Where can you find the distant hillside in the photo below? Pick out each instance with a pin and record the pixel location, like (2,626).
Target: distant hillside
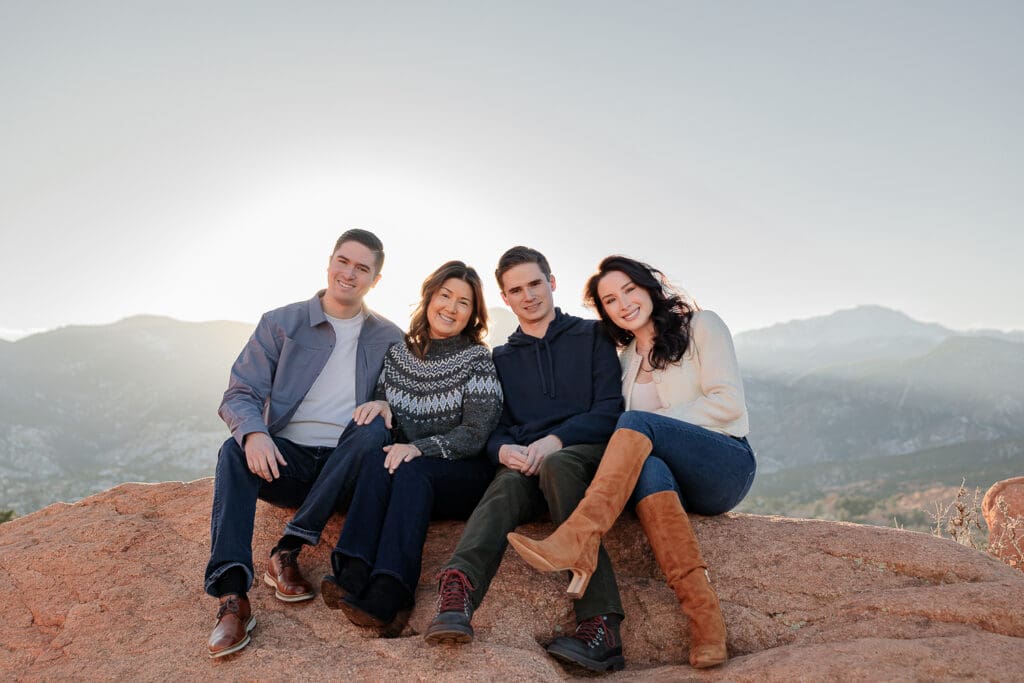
(877,490)
(83,408)
(502,324)
(865,333)
(966,389)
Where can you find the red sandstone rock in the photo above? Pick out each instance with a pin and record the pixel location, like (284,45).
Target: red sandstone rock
(110,588)
(1003,508)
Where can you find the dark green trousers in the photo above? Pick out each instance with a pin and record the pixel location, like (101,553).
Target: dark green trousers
(513,499)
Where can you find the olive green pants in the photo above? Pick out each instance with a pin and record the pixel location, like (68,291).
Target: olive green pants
(513,499)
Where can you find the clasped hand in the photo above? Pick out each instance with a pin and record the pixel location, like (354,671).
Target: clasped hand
(527,459)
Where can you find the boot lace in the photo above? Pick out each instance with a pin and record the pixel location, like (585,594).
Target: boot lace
(454,593)
(231,605)
(288,558)
(594,631)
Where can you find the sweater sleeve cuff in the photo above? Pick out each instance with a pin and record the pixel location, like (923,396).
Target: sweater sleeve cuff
(566,436)
(433,447)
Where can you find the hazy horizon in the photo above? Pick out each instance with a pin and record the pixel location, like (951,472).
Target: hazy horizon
(14,335)
(779,161)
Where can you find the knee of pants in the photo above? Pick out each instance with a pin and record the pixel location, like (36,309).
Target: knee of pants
(557,467)
(231,457)
(411,475)
(365,445)
(509,486)
(655,477)
(636,420)
(372,434)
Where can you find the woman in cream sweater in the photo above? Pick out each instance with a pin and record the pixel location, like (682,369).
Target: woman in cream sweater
(680,446)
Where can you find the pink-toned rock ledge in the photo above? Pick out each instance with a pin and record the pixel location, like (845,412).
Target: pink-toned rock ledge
(110,588)
(1003,508)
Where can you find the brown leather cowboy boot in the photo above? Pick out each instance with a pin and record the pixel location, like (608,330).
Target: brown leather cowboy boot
(575,543)
(675,547)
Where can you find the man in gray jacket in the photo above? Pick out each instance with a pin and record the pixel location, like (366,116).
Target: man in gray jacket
(289,406)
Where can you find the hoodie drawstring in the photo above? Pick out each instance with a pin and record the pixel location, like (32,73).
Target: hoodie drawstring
(548,388)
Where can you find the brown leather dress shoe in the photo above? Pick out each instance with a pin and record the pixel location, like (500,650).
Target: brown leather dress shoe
(234,622)
(284,575)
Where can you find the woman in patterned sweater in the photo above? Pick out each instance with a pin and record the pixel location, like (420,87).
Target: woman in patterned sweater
(440,396)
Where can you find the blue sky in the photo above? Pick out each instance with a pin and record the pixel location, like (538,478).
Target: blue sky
(778,160)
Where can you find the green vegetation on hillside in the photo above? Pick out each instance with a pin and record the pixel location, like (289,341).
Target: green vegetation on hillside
(901,490)
(6,515)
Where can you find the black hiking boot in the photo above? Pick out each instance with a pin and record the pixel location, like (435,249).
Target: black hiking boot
(595,645)
(454,610)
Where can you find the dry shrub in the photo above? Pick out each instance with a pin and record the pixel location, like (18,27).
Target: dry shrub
(1008,547)
(961,518)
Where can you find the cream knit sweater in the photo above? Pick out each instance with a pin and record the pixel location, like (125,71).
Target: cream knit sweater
(704,388)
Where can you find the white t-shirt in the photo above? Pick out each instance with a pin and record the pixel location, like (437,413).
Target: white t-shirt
(327,408)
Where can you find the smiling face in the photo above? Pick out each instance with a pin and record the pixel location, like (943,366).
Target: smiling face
(351,273)
(626,304)
(450,309)
(529,293)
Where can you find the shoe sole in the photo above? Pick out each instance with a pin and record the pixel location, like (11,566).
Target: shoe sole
(283,597)
(396,626)
(332,593)
(616,663)
(448,635)
(249,626)
(361,618)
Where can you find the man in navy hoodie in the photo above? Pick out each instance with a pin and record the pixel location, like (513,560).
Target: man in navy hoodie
(560,377)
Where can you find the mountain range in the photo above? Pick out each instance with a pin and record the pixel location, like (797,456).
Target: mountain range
(864,333)
(85,407)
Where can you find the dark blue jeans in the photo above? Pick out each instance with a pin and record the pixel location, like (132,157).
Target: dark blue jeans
(387,521)
(710,471)
(320,479)
(337,481)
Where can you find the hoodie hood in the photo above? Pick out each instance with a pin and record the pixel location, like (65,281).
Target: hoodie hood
(565,383)
(542,347)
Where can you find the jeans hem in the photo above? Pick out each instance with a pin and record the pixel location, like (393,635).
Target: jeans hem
(211,580)
(394,575)
(310,537)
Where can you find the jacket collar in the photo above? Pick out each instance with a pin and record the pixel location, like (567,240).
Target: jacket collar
(316,309)
(317,315)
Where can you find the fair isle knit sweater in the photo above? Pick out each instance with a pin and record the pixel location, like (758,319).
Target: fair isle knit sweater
(445,404)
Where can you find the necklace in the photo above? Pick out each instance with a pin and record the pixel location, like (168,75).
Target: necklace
(645,356)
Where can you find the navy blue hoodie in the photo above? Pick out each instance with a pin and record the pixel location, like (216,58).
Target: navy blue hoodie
(566,383)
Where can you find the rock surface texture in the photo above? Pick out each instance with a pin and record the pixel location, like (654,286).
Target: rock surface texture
(1003,508)
(110,588)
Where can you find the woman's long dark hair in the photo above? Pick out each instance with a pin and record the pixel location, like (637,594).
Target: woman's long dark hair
(671,314)
(418,336)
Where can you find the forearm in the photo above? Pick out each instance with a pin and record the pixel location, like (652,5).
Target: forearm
(249,385)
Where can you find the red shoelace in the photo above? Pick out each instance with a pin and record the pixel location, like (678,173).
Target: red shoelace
(593,630)
(454,594)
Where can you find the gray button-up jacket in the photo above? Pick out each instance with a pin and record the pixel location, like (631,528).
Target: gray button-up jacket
(283,358)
